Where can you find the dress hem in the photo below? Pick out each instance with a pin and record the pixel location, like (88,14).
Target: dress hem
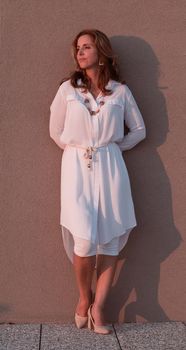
(68,241)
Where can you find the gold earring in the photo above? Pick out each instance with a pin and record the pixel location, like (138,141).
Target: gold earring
(101,63)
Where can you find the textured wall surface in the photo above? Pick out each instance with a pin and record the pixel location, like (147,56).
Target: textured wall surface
(37,280)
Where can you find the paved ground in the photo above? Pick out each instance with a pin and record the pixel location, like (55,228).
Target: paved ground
(129,336)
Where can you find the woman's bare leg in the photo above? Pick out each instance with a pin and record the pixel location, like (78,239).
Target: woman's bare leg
(106,266)
(84,269)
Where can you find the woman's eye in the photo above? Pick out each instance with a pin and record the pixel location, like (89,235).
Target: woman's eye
(85,47)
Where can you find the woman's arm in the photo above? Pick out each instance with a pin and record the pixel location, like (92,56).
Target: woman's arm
(57,117)
(134,121)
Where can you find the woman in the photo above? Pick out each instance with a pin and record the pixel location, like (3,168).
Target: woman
(97,212)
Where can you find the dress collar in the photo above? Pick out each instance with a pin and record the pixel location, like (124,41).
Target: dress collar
(108,86)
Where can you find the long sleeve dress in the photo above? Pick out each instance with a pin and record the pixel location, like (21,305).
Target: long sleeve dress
(96,198)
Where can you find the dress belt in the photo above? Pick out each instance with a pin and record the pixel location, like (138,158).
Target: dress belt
(89,151)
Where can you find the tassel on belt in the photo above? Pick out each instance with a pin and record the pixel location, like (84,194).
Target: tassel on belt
(89,151)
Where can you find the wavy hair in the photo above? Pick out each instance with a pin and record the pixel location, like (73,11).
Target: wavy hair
(109,69)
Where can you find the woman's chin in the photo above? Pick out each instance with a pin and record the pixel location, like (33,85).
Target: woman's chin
(83,66)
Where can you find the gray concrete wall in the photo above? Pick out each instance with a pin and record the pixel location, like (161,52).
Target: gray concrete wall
(37,280)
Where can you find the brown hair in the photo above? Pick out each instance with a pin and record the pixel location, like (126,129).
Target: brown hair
(109,69)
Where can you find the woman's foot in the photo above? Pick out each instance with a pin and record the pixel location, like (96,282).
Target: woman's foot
(98,325)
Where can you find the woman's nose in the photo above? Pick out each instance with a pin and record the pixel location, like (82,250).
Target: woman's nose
(80,52)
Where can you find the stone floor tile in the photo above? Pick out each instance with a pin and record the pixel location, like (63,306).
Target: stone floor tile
(19,337)
(152,336)
(68,337)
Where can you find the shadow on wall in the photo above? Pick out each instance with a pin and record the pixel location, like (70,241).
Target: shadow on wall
(155,237)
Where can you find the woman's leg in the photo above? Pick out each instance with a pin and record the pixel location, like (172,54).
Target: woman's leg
(84,268)
(106,266)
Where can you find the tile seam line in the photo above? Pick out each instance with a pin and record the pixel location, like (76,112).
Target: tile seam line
(117,337)
(40,335)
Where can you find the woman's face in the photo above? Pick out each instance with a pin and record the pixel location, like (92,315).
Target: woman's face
(87,53)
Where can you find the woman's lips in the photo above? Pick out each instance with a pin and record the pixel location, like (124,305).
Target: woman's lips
(81,59)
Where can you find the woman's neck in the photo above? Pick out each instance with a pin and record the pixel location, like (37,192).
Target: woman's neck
(93,75)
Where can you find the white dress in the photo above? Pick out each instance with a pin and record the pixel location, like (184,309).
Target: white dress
(96,202)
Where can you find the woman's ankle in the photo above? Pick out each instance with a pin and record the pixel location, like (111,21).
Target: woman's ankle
(99,306)
(86,298)
(83,305)
(98,314)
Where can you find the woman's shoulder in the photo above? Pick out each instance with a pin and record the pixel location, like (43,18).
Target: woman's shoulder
(127,90)
(65,84)
(66,87)
(121,87)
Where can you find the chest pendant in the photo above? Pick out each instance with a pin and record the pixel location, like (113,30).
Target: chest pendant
(90,150)
(87,104)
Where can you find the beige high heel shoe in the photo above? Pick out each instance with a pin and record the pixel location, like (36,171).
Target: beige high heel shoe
(81,321)
(97,329)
